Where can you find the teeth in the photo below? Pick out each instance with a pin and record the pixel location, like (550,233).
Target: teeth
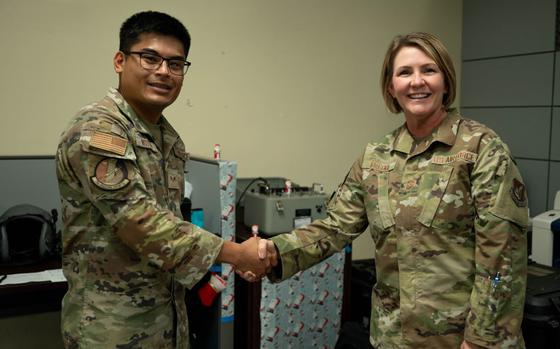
(419,95)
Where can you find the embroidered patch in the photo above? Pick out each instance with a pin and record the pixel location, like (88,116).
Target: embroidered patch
(143,142)
(410,184)
(108,142)
(110,174)
(447,159)
(518,193)
(382,166)
(173,180)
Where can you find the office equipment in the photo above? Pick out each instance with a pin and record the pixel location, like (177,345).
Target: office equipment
(305,310)
(280,206)
(546,236)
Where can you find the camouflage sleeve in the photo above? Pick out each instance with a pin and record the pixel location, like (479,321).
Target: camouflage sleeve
(112,182)
(498,294)
(346,219)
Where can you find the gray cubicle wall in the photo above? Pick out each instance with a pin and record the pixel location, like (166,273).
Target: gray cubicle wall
(511,82)
(29,180)
(204,175)
(32,180)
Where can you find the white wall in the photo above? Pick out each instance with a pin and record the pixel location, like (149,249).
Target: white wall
(288,88)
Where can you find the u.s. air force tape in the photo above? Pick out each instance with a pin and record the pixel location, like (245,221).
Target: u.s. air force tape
(110,174)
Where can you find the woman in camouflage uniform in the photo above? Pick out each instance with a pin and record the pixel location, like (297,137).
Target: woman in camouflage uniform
(447,210)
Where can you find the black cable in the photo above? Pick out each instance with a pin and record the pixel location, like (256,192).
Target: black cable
(248,186)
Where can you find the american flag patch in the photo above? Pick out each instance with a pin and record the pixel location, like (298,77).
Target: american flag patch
(111,143)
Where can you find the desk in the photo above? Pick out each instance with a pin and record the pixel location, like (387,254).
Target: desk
(30,298)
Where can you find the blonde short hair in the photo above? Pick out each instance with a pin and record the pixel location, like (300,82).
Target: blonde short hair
(433,48)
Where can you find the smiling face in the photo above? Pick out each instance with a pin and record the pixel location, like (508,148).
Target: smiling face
(418,85)
(149,91)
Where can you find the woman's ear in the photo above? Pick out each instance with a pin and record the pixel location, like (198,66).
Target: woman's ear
(391,90)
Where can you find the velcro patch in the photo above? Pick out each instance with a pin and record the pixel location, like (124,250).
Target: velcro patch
(111,174)
(382,166)
(447,159)
(108,142)
(173,180)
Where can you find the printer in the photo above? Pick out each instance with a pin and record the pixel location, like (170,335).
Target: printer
(546,236)
(278,206)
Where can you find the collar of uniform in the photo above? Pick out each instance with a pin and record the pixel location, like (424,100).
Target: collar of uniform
(403,140)
(170,135)
(127,111)
(445,133)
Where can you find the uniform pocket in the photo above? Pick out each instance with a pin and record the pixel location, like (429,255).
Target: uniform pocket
(379,212)
(487,305)
(432,188)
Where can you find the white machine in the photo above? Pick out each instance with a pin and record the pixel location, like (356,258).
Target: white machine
(546,236)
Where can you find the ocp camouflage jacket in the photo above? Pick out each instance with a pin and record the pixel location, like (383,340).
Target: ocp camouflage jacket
(448,216)
(126,269)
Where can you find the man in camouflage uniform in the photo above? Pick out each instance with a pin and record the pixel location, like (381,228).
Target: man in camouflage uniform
(448,216)
(127,253)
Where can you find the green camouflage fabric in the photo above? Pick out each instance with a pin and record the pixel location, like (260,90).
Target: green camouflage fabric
(448,216)
(126,273)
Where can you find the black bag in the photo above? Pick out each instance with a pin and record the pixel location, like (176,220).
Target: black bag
(541,319)
(353,336)
(361,284)
(354,333)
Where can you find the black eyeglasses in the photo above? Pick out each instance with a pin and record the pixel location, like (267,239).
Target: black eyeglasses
(152,61)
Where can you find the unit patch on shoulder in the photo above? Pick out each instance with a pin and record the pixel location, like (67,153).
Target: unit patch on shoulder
(108,142)
(111,174)
(518,193)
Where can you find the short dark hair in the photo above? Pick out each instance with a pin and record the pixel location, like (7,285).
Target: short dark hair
(433,48)
(152,22)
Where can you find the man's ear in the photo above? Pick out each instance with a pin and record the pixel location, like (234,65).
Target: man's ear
(118,62)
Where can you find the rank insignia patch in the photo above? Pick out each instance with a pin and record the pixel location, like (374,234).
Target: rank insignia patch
(111,174)
(173,180)
(518,193)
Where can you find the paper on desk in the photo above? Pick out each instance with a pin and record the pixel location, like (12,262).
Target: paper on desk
(52,275)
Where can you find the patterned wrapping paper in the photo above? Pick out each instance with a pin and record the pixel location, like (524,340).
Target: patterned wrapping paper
(228,175)
(304,311)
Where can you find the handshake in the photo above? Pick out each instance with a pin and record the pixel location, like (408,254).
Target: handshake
(255,258)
